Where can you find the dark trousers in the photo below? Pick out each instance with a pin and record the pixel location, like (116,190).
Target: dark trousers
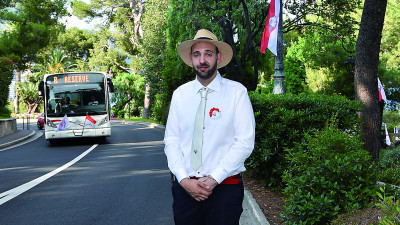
(223,206)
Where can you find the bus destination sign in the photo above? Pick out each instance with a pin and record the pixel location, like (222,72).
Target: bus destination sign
(75,78)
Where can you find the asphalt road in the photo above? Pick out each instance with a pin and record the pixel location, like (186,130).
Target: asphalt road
(122,181)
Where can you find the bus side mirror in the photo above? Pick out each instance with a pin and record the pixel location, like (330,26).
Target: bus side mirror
(41,88)
(110,84)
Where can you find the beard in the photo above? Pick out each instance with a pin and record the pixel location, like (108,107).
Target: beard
(208,74)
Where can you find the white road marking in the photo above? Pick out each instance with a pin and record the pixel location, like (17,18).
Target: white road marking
(10,194)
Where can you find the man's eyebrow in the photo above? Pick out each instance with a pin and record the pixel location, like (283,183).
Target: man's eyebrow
(208,51)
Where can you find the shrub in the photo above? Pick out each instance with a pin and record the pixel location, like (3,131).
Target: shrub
(282,120)
(390,208)
(329,173)
(389,167)
(390,157)
(121,114)
(5,112)
(159,110)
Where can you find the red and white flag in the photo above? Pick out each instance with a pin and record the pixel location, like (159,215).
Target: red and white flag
(270,35)
(89,120)
(382,94)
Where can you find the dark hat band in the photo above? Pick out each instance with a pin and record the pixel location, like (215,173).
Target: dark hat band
(204,38)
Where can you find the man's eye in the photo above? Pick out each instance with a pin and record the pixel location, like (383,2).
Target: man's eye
(195,54)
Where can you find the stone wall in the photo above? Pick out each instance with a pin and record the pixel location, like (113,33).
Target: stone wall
(8,126)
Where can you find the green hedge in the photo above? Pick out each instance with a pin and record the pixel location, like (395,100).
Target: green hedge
(329,173)
(282,120)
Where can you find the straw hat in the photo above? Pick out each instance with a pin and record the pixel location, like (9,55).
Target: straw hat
(203,35)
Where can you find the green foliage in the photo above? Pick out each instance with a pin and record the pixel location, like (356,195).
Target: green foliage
(295,75)
(5,112)
(31,26)
(390,208)
(76,43)
(121,114)
(316,60)
(28,93)
(6,75)
(389,166)
(159,109)
(125,83)
(282,120)
(390,157)
(391,118)
(152,52)
(329,173)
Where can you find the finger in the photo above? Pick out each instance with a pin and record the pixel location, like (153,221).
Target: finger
(203,185)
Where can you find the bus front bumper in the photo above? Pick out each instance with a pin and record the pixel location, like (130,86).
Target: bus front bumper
(104,132)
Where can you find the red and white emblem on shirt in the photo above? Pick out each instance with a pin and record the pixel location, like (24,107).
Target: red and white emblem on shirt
(215,113)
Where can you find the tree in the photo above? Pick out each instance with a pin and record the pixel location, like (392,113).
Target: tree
(366,70)
(126,16)
(28,91)
(132,84)
(389,64)
(31,24)
(6,75)
(77,44)
(240,23)
(58,62)
(152,50)
(315,60)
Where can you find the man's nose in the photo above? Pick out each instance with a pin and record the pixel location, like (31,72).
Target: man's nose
(202,58)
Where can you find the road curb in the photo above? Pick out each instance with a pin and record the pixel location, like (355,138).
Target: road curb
(254,208)
(13,142)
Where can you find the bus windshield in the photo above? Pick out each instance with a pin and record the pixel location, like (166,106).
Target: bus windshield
(75,95)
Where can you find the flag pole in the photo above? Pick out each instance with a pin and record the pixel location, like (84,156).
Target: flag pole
(279,76)
(84,122)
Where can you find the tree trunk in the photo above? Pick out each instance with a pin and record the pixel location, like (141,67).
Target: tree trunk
(366,70)
(250,45)
(147,103)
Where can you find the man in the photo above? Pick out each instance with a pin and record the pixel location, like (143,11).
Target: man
(206,155)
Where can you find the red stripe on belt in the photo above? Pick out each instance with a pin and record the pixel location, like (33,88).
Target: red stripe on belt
(230,180)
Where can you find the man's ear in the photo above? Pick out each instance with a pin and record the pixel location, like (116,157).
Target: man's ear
(219,57)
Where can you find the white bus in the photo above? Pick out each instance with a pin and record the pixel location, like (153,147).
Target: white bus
(76,105)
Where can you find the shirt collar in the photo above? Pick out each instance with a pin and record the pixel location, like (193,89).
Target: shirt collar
(214,85)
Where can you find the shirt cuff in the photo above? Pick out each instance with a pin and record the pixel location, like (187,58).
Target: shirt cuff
(219,175)
(181,174)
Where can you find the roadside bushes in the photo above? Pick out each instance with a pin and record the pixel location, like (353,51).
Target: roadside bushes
(389,169)
(282,121)
(329,173)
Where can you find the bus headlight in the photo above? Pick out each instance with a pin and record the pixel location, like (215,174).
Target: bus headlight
(51,124)
(103,121)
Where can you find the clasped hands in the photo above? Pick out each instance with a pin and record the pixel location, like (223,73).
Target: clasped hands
(200,189)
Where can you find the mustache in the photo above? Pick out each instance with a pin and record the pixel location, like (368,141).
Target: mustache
(203,64)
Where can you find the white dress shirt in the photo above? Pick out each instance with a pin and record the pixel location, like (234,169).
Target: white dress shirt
(229,129)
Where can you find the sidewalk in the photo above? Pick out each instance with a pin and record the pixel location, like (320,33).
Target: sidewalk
(252,214)
(15,138)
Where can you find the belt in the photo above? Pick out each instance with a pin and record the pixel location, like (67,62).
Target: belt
(229,180)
